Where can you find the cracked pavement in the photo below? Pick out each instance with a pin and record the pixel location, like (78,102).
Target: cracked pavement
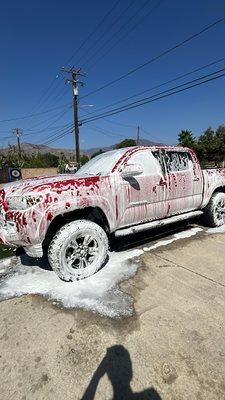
(171,348)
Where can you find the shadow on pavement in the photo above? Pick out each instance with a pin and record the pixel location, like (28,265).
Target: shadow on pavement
(118,367)
(148,236)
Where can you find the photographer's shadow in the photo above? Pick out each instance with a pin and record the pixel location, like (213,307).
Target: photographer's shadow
(118,367)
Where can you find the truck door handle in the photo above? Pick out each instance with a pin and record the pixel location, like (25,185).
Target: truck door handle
(196,178)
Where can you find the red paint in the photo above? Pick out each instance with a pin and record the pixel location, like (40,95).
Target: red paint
(49,216)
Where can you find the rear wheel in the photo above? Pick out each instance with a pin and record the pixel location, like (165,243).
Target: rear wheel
(78,250)
(214,213)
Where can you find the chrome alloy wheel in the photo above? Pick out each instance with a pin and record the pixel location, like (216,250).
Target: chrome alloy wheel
(81,252)
(220,211)
(78,250)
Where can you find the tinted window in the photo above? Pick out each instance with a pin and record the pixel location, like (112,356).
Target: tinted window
(178,161)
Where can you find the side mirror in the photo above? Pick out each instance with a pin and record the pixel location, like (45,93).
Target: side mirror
(129,170)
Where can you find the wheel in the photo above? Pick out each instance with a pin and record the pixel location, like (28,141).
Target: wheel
(214,213)
(78,250)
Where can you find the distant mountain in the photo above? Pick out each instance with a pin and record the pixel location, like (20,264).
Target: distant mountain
(30,148)
(143,142)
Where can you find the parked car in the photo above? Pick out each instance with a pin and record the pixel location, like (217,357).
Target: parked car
(119,192)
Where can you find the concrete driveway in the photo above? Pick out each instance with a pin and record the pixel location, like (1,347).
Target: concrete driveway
(171,347)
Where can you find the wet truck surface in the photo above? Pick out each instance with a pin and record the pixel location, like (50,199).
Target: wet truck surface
(118,192)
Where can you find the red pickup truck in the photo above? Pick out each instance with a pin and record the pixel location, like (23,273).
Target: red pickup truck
(119,192)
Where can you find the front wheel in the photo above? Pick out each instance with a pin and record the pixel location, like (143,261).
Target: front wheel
(78,250)
(214,213)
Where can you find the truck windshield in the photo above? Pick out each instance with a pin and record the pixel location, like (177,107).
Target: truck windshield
(101,164)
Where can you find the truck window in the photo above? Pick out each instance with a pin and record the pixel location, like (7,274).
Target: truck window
(148,162)
(178,161)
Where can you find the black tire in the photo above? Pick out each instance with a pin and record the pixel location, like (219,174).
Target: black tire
(78,250)
(214,213)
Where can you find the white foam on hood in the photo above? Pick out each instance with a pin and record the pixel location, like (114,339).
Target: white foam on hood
(98,293)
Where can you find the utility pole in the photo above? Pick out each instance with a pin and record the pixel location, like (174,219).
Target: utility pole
(75,72)
(18,133)
(138,135)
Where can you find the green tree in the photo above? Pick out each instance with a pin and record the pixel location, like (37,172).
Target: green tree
(13,158)
(126,143)
(47,160)
(83,159)
(97,153)
(62,163)
(186,139)
(220,143)
(207,145)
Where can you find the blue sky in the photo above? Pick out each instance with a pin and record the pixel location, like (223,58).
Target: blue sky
(37,39)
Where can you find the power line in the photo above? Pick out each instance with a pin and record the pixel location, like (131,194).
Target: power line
(171,49)
(128,32)
(59,135)
(151,135)
(151,99)
(105,32)
(41,100)
(93,31)
(49,119)
(35,115)
(119,123)
(106,133)
(158,86)
(115,34)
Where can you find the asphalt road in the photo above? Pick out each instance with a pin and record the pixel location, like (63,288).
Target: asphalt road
(172,347)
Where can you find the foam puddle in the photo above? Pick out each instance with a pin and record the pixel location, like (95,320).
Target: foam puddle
(220,229)
(99,293)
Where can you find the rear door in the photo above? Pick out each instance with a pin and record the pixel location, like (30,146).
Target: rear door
(144,195)
(185,183)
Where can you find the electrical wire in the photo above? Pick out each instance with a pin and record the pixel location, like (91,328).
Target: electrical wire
(93,31)
(151,60)
(58,136)
(35,115)
(154,98)
(49,119)
(158,86)
(105,32)
(132,28)
(106,133)
(115,34)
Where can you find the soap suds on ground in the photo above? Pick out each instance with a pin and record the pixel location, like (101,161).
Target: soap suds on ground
(220,229)
(99,293)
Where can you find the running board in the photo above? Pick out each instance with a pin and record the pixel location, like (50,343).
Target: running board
(157,224)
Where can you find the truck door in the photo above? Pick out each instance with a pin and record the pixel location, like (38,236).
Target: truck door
(144,195)
(185,181)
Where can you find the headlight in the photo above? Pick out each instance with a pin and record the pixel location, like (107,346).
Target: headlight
(23,202)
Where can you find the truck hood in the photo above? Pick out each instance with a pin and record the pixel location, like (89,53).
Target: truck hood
(53,183)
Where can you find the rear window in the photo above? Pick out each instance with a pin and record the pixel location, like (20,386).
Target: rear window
(178,161)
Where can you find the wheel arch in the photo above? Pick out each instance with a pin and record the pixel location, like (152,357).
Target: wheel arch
(219,189)
(94,214)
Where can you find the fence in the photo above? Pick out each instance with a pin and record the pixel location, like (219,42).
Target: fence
(28,173)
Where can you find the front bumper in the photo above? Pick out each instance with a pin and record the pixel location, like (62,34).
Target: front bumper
(10,236)
(8,233)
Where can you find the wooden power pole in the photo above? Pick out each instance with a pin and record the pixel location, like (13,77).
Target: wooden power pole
(75,72)
(138,135)
(18,133)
